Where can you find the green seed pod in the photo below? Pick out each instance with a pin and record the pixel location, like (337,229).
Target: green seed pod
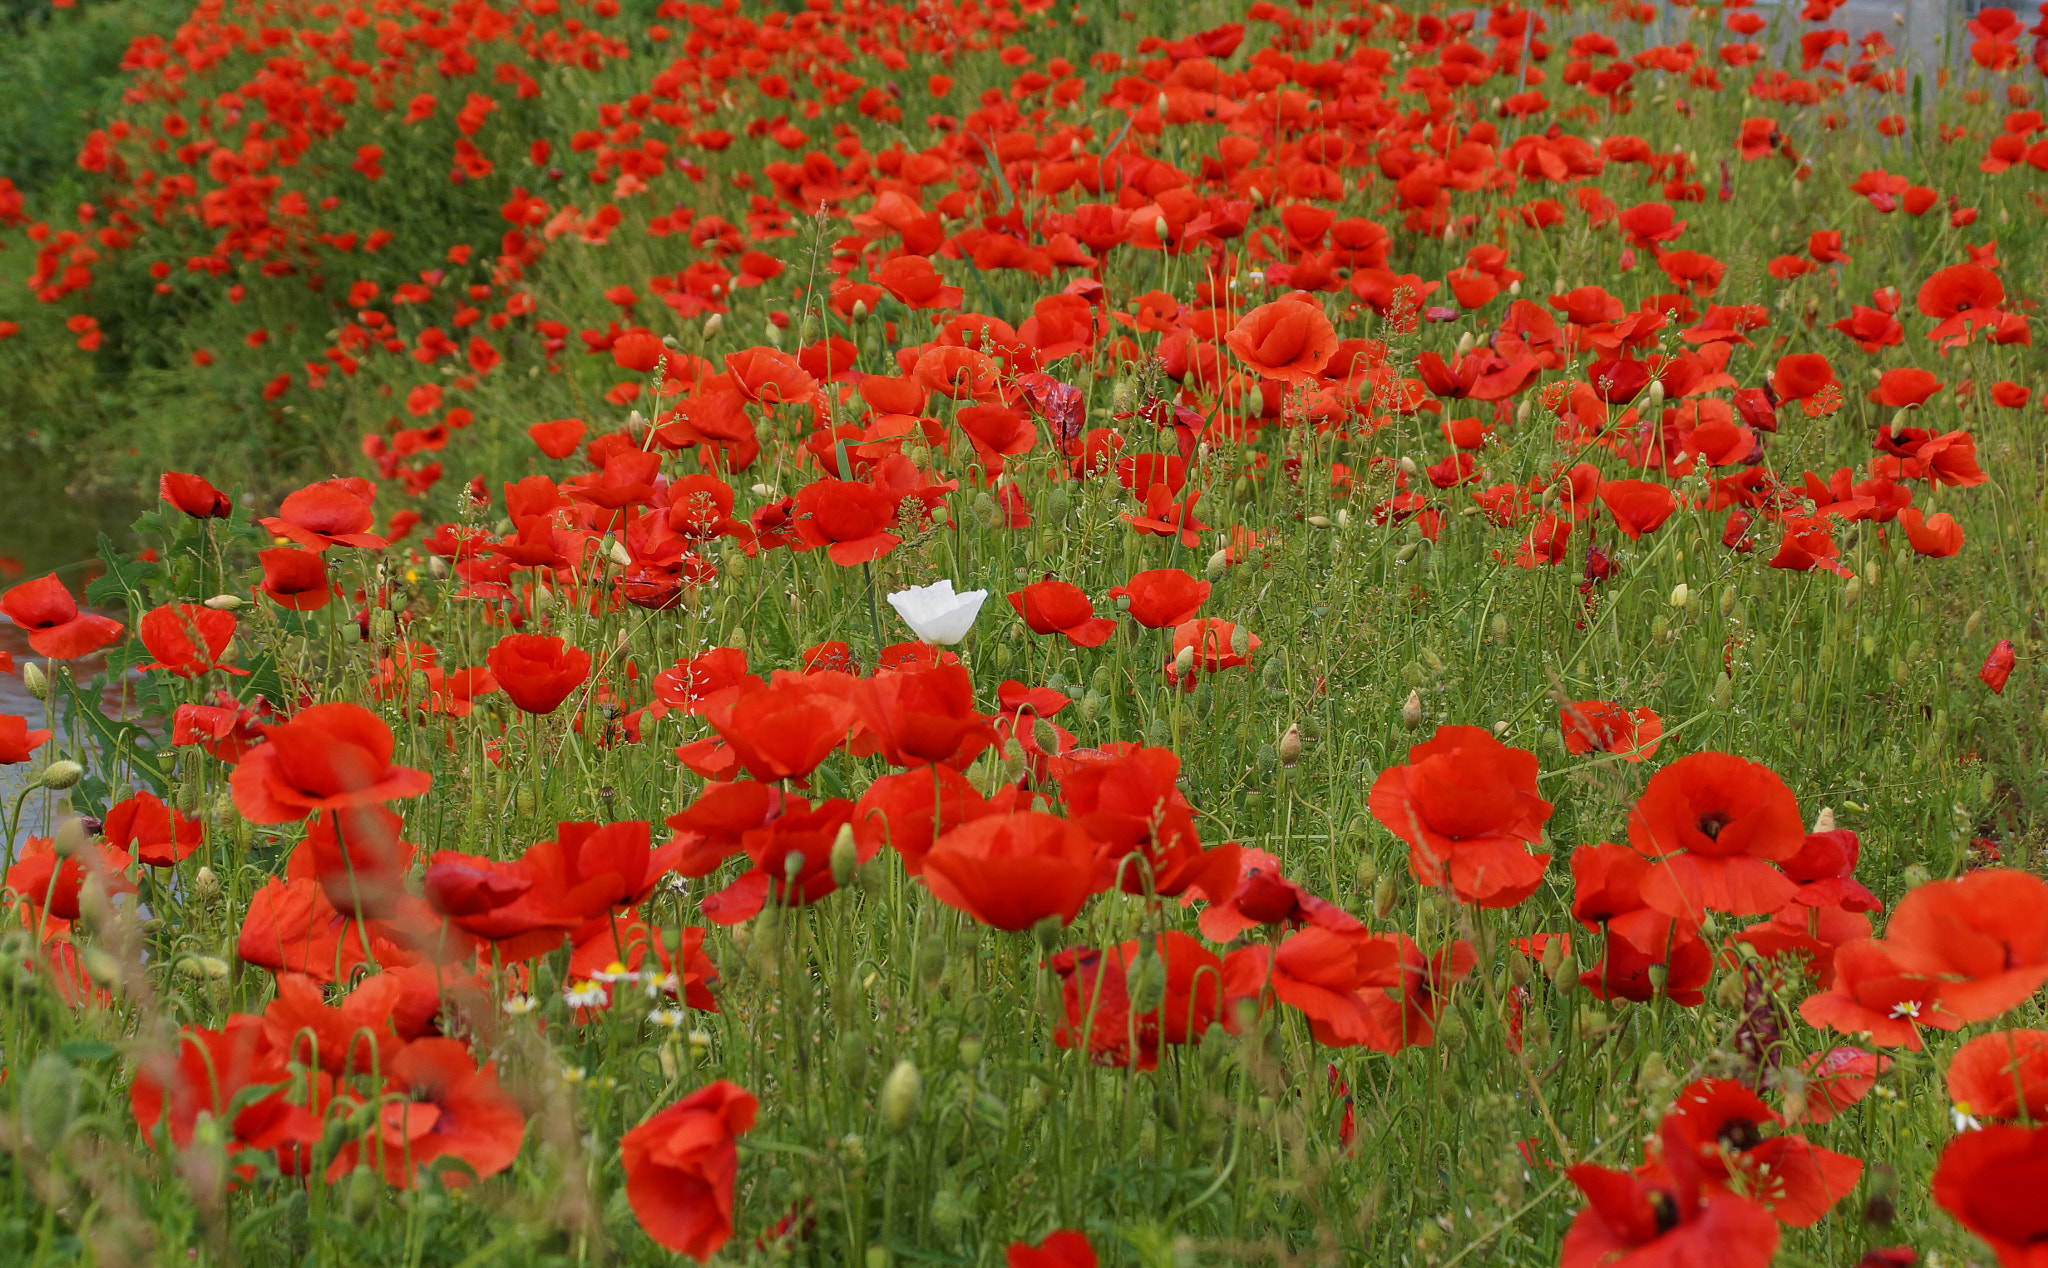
(902,1093)
(49,1101)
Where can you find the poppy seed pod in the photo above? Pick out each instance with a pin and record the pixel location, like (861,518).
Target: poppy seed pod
(902,1091)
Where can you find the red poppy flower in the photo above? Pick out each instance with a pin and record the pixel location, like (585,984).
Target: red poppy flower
(1326,975)
(785,730)
(907,811)
(792,857)
(330,513)
(1264,897)
(1936,536)
(360,1033)
(1991,1181)
(328,757)
(1716,823)
(1061,1248)
(1723,1124)
(1960,290)
(443,1106)
(1835,1080)
(1801,375)
(1289,340)
(2001,1075)
(1095,990)
(1873,995)
(1162,598)
(221,1073)
(187,638)
(17,742)
(1127,798)
(53,885)
(1638,506)
(155,833)
(1664,1217)
(680,1166)
(294,579)
(1984,933)
(1061,607)
(1466,803)
(559,438)
(1998,666)
(852,520)
(538,671)
(56,628)
(922,715)
(1606,727)
(193,495)
(915,283)
(1011,871)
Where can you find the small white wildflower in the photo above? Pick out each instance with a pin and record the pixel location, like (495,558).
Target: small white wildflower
(614,972)
(1960,1115)
(520,1005)
(672,1018)
(586,995)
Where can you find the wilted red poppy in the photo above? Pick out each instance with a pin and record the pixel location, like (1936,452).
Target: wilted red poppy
(294,579)
(1716,823)
(1723,1124)
(1289,340)
(1985,934)
(187,638)
(1061,607)
(680,1166)
(444,1106)
(1010,871)
(1162,598)
(157,834)
(330,513)
(17,742)
(56,628)
(1664,1217)
(1606,727)
(1466,803)
(1991,1181)
(1638,506)
(328,757)
(193,495)
(2001,1075)
(538,671)
(1998,666)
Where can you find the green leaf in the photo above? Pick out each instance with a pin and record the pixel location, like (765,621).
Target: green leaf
(88,1050)
(126,580)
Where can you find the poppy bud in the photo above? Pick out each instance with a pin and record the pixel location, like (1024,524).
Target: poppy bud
(1465,343)
(1658,974)
(901,1092)
(60,774)
(1183,662)
(1852,592)
(1553,956)
(1408,465)
(1724,691)
(1872,574)
(1824,821)
(225,602)
(1499,627)
(1240,642)
(712,323)
(860,311)
(672,343)
(1048,933)
(49,1101)
(1368,871)
(618,553)
(1681,595)
(1411,710)
(1451,1032)
(437,567)
(1727,603)
(1653,1079)
(100,965)
(1655,396)
(1515,288)
(844,855)
(206,887)
(1159,227)
(1566,979)
(793,867)
(38,685)
(1383,897)
(524,801)
(1290,746)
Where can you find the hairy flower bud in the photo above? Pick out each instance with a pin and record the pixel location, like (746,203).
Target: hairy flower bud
(845,854)
(1411,710)
(60,774)
(902,1091)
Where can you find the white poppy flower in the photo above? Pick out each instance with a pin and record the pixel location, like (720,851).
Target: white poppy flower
(935,614)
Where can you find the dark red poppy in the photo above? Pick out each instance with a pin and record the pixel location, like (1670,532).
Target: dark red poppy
(537,671)
(1716,823)
(294,579)
(328,757)
(1061,607)
(56,628)
(193,495)
(680,1167)
(1265,897)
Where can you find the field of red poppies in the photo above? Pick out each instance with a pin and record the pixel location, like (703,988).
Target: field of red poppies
(891,634)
